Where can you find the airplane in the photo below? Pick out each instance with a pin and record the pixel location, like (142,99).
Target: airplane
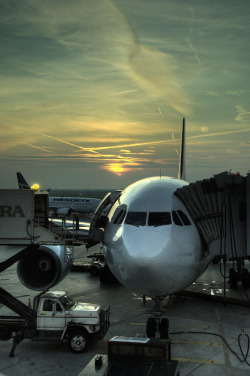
(151,244)
(64,205)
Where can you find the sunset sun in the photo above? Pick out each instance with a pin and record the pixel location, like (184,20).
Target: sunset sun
(116,168)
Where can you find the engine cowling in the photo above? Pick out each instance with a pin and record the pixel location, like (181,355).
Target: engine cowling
(63,211)
(44,268)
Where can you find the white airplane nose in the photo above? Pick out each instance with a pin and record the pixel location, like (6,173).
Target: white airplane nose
(145,245)
(140,260)
(154,262)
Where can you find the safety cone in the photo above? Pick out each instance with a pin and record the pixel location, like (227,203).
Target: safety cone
(29,303)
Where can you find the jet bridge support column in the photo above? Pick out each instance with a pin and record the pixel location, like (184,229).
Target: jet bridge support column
(248,213)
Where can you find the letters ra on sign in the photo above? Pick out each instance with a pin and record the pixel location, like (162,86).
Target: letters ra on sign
(8,211)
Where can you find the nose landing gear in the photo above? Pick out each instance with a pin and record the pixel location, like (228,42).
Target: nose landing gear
(157,324)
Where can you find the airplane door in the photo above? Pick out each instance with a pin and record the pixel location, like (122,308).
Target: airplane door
(96,217)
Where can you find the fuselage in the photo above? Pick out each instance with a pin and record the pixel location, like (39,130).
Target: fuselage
(75,204)
(151,244)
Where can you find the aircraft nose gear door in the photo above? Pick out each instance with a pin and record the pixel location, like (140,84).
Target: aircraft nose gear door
(98,222)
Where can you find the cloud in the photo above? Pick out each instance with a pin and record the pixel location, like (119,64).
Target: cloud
(243,115)
(235,92)
(211,93)
(153,70)
(204,129)
(188,38)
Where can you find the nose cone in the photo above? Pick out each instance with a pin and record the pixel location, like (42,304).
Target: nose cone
(154,262)
(138,260)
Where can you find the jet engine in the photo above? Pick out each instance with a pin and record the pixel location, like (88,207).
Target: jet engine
(63,211)
(44,267)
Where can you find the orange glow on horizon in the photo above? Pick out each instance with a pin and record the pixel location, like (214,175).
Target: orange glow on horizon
(119,168)
(116,168)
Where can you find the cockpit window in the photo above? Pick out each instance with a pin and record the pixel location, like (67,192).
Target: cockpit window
(159,219)
(120,217)
(136,218)
(176,219)
(180,218)
(184,218)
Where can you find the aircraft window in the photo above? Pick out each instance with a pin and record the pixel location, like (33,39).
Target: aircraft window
(136,218)
(159,219)
(120,217)
(176,219)
(184,218)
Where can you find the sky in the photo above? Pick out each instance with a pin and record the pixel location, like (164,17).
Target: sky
(93,92)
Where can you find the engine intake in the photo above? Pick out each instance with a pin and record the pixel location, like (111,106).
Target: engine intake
(44,268)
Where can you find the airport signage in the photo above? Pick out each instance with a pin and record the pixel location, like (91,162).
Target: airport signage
(11,211)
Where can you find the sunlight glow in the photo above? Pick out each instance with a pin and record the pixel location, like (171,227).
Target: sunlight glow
(116,168)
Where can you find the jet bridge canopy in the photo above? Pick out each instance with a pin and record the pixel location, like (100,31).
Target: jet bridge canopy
(220,208)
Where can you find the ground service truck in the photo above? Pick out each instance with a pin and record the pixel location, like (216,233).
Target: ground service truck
(54,316)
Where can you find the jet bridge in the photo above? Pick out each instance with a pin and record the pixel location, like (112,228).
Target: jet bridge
(24,218)
(220,208)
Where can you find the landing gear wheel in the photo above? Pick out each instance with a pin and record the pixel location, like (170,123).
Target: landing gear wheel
(94,271)
(106,275)
(151,327)
(164,325)
(78,341)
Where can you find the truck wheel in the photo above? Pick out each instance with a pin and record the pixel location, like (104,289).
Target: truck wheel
(78,341)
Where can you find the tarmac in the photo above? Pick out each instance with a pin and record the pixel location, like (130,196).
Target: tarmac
(205,330)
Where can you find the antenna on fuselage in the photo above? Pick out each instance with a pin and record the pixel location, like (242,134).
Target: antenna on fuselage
(182,167)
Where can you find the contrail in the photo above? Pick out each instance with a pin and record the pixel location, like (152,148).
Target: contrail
(93,149)
(65,142)
(40,148)
(123,92)
(219,133)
